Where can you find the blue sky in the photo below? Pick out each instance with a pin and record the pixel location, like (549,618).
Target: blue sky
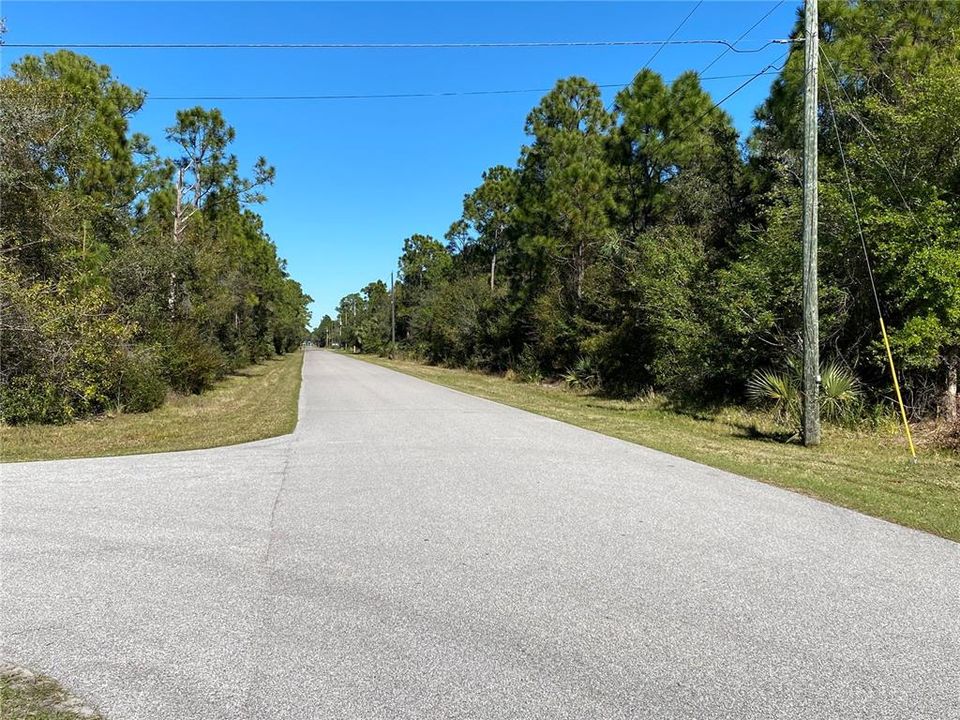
(355,177)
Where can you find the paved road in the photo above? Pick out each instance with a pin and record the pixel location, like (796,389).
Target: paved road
(412,552)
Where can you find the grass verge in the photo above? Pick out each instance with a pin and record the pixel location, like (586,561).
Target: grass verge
(27,696)
(254,403)
(868,472)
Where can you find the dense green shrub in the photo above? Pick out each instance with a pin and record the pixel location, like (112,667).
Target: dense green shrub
(778,390)
(28,398)
(62,350)
(839,393)
(192,363)
(142,385)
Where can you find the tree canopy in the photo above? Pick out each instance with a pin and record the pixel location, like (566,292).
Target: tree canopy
(125,274)
(654,246)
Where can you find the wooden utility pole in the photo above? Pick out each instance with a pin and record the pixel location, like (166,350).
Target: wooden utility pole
(393,314)
(811,320)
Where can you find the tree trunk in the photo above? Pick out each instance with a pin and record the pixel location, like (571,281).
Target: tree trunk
(493,271)
(172,293)
(178,219)
(580,270)
(949,400)
(178,223)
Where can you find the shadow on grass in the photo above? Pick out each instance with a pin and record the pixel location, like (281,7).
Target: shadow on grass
(751,431)
(709,413)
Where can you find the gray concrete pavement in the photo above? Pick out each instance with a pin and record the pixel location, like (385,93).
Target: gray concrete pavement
(413,552)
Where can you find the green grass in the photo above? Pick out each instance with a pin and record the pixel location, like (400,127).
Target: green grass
(866,471)
(26,696)
(254,403)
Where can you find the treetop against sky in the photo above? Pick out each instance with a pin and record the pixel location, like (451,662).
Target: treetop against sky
(356,175)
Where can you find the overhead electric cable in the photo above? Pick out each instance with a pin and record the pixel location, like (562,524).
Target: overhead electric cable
(669,40)
(742,36)
(392,96)
(672,35)
(733,92)
(385,46)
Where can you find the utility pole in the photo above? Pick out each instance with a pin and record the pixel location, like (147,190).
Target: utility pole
(393,314)
(811,320)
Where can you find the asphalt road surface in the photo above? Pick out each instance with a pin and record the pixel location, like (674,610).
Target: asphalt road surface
(413,552)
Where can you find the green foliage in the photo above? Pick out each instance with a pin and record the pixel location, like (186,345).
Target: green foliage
(325,333)
(583,375)
(778,389)
(193,363)
(527,367)
(449,323)
(61,350)
(839,392)
(895,106)
(101,263)
(645,249)
(142,387)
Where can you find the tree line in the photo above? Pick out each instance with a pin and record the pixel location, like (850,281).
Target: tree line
(126,274)
(648,247)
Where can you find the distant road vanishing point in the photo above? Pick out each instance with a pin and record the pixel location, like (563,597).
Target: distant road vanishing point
(413,552)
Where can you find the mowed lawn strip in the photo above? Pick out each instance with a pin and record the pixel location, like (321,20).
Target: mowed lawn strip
(868,472)
(257,402)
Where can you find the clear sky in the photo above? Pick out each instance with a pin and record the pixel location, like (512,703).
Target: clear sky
(356,176)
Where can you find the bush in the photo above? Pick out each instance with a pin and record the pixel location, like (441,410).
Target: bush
(527,367)
(840,397)
(583,374)
(839,394)
(61,353)
(29,399)
(779,389)
(142,387)
(193,364)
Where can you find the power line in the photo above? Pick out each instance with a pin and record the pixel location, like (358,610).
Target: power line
(765,71)
(742,36)
(669,40)
(394,96)
(675,31)
(386,46)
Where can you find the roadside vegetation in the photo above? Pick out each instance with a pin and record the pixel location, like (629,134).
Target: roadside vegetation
(25,695)
(125,275)
(252,403)
(646,248)
(866,468)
